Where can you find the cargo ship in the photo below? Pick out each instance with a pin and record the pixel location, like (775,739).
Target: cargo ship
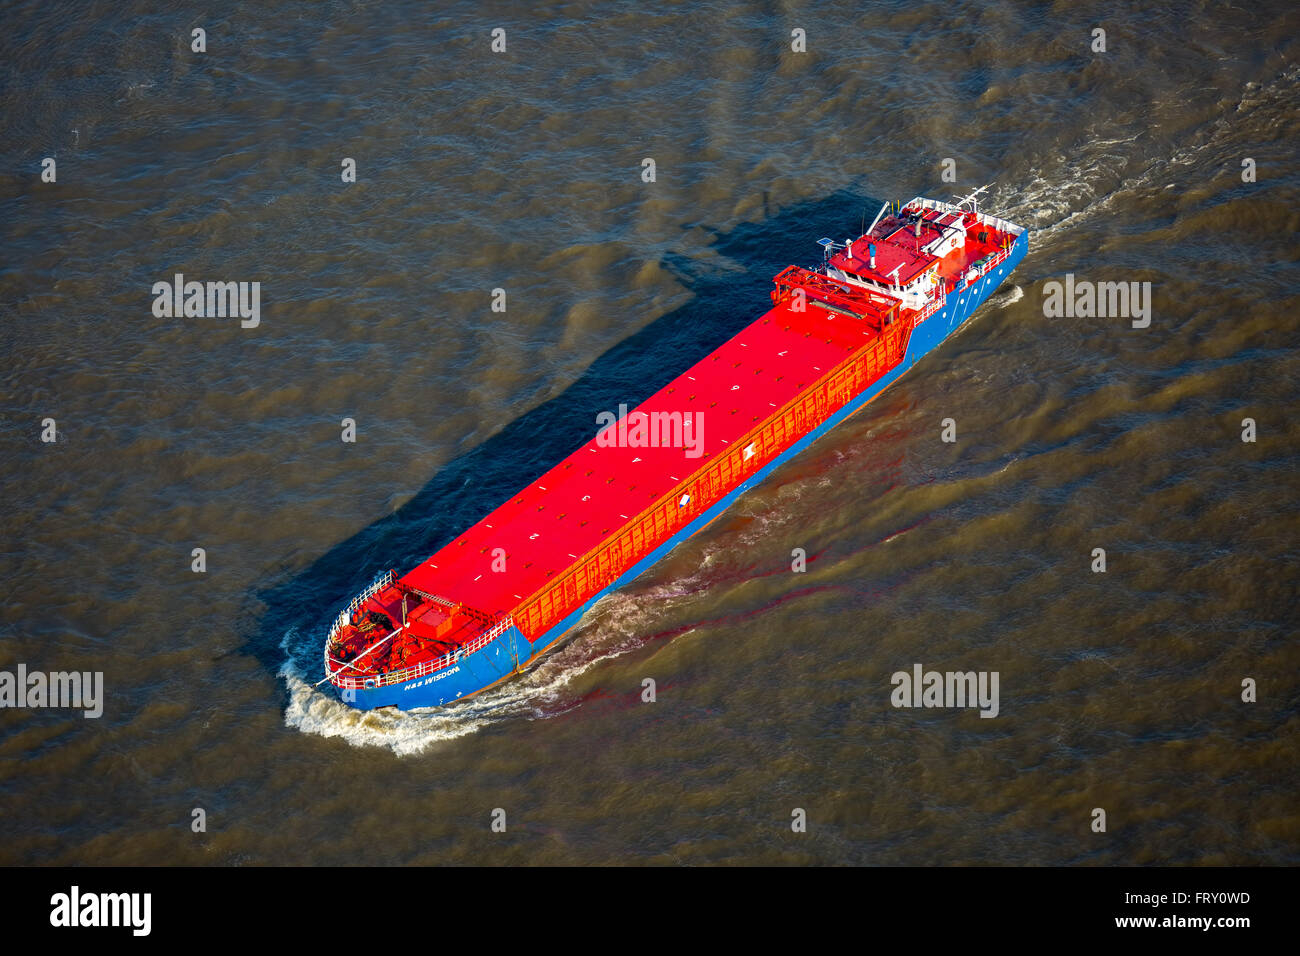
(496,598)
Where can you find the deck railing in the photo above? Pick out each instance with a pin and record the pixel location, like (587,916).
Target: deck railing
(345,616)
(996,259)
(426,667)
(932,307)
(984,218)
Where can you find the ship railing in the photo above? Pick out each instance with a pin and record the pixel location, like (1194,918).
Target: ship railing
(994,222)
(982,268)
(933,306)
(996,259)
(389,678)
(345,616)
(1001,225)
(936,204)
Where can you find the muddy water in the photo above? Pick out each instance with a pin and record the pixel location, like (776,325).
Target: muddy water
(521,170)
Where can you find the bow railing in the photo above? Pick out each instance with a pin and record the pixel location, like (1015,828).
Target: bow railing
(425,667)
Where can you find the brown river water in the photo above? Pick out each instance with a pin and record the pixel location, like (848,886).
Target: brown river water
(522,170)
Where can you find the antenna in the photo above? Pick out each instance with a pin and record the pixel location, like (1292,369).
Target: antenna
(972,198)
(877,219)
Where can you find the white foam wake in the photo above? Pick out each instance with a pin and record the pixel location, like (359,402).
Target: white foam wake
(1010,297)
(1073,189)
(616,625)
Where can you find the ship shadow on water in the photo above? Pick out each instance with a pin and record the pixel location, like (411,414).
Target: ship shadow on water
(472,485)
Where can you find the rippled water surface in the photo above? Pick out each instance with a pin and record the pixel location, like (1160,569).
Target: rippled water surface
(521,170)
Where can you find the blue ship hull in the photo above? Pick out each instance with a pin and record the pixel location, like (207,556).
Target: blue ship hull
(512,652)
